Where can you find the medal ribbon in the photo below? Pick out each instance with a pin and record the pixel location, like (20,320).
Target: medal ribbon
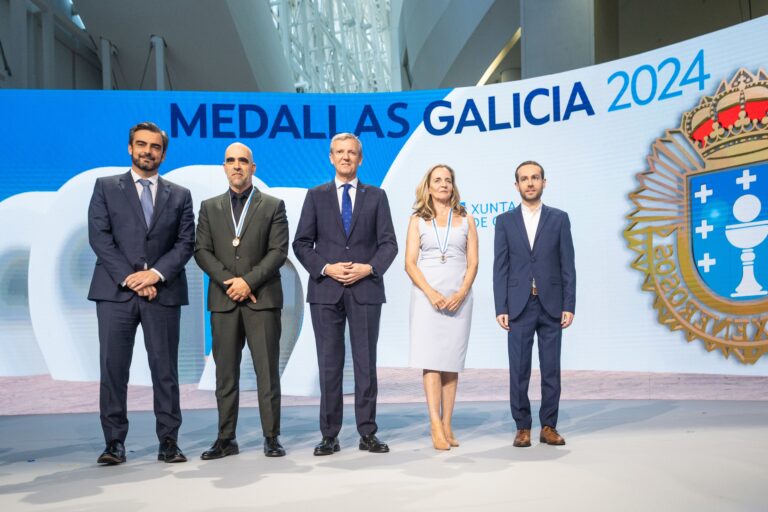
(443,246)
(239,225)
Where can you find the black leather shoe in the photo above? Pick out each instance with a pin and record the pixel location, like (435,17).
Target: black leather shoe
(327,446)
(221,448)
(273,448)
(372,444)
(169,451)
(113,454)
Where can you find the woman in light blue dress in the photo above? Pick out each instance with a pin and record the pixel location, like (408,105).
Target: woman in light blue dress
(441,259)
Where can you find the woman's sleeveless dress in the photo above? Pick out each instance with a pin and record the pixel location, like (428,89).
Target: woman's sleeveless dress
(439,338)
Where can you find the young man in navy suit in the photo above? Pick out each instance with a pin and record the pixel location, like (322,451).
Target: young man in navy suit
(142,229)
(346,241)
(534,288)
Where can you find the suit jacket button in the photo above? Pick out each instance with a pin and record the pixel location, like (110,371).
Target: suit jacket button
(237,257)
(347,247)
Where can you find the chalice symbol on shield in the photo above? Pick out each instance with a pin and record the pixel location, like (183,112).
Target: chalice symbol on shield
(746,235)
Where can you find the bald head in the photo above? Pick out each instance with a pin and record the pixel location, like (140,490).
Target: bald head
(239,166)
(241,146)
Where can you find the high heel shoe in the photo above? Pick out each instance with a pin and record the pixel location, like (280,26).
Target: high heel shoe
(438,437)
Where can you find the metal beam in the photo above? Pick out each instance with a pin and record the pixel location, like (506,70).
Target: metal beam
(47,57)
(158,46)
(105,52)
(17,44)
(336,45)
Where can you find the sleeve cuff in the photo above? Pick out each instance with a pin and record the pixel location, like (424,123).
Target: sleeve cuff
(162,277)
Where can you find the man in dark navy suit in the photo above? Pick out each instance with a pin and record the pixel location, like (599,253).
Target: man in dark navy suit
(346,241)
(534,288)
(142,229)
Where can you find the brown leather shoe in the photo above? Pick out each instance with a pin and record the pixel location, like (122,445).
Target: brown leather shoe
(522,438)
(550,436)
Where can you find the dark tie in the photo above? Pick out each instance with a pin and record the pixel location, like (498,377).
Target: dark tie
(238,202)
(146,201)
(346,208)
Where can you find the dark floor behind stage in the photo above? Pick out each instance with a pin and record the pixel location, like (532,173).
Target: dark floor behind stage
(621,455)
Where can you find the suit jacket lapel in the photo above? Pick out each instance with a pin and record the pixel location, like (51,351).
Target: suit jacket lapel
(225,209)
(333,197)
(255,202)
(517,217)
(129,189)
(161,199)
(359,199)
(542,219)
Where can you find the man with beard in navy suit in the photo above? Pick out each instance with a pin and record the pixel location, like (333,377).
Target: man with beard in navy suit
(142,229)
(534,288)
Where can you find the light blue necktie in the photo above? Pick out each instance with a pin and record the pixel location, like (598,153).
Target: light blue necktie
(146,201)
(346,208)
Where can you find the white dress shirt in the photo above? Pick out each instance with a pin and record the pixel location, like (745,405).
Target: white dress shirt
(153,190)
(140,187)
(340,195)
(531,220)
(340,190)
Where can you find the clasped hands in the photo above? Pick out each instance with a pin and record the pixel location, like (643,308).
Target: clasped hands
(238,290)
(143,283)
(440,302)
(348,273)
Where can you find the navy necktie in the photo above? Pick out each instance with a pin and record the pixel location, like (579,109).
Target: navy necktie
(346,208)
(146,201)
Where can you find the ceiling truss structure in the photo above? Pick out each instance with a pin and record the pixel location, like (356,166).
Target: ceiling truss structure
(336,45)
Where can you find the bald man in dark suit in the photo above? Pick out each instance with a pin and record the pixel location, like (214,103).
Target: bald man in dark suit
(242,241)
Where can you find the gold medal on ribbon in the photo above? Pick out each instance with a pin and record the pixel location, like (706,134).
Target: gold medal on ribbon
(239,224)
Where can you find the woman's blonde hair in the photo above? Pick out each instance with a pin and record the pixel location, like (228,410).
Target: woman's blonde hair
(423,206)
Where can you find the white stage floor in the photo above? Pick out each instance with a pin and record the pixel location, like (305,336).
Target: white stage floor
(621,455)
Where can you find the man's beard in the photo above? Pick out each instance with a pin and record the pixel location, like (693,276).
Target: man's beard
(536,196)
(149,166)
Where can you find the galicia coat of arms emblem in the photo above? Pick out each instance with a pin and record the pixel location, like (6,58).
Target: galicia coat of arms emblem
(700,223)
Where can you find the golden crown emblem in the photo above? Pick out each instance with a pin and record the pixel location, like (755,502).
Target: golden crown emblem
(734,121)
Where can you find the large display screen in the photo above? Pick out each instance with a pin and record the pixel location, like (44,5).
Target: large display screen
(660,160)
